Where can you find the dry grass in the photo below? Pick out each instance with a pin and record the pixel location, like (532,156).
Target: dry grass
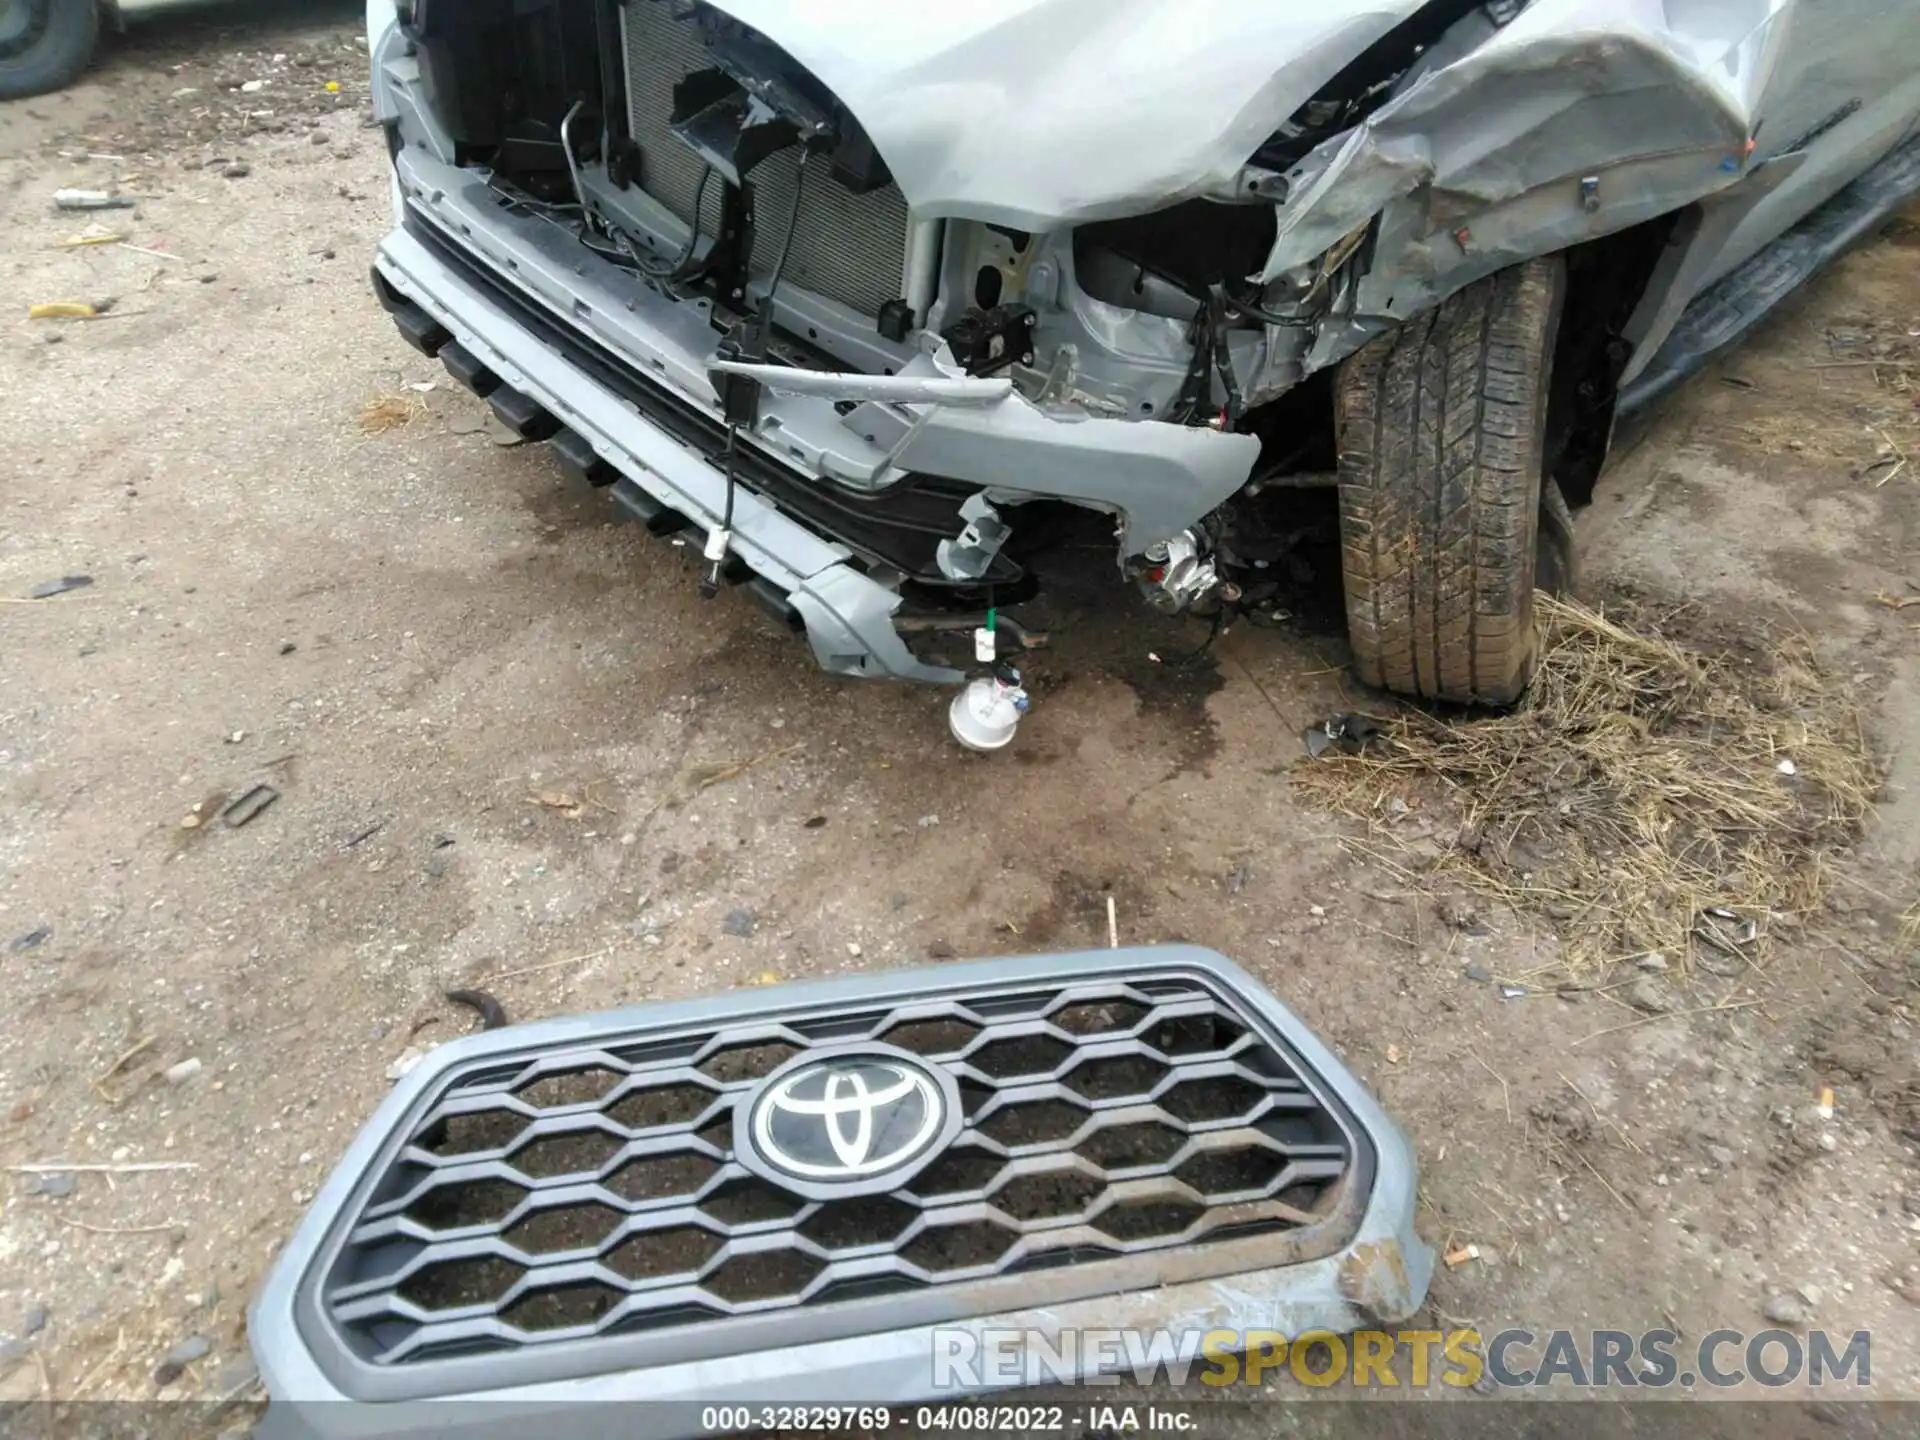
(389,412)
(1636,785)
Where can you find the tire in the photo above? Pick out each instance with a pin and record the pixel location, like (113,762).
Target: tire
(1445,525)
(45,44)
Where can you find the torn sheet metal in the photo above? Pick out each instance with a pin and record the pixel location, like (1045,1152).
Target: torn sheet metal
(1581,118)
(1631,107)
(1157,478)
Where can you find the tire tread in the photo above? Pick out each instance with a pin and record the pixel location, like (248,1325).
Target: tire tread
(1441,426)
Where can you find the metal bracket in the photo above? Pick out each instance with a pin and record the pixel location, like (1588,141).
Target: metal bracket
(968,556)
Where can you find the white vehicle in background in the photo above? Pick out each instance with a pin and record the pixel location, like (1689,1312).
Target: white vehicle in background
(45,44)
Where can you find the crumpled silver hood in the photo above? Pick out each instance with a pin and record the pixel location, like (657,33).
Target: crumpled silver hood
(1038,113)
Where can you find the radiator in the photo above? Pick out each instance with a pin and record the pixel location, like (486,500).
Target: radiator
(846,247)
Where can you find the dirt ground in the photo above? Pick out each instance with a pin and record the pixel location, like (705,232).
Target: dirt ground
(414,634)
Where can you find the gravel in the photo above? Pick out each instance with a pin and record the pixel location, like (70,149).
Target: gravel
(1649,994)
(1788,1307)
(175,1362)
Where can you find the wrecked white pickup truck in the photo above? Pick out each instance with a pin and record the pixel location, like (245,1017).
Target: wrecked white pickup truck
(856,297)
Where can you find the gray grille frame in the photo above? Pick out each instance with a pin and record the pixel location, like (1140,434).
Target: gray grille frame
(847,248)
(556,1045)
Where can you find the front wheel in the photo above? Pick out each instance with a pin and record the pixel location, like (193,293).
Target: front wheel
(1446,527)
(44,44)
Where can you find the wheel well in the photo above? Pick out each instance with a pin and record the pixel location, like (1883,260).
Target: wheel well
(1606,279)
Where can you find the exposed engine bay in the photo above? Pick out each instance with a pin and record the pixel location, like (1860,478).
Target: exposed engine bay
(914,281)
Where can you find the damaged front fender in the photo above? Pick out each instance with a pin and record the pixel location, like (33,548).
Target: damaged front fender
(1577,119)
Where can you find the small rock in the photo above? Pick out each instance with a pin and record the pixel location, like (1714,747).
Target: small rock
(927,822)
(237,737)
(1656,962)
(940,950)
(853,949)
(319,137)
(287,647)
(239,170)
(35,1321)
(1316,911)
(33,939)
(239,1373)
(1720,1155)
(1788,1307)
(1650,995)
(209,277)
(184,1071)
(1476,971)
(252,87)
(175,1362)
(740,922)
(54,1187)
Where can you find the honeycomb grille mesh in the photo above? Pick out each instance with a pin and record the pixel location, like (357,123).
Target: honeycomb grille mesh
(592,1192)
(847,247)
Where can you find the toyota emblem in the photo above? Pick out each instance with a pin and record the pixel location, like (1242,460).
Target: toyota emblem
(850,1122)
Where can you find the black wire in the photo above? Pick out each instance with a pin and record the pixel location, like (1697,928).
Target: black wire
(786,241)
(1185,662)
(693,235)
(1223,361)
